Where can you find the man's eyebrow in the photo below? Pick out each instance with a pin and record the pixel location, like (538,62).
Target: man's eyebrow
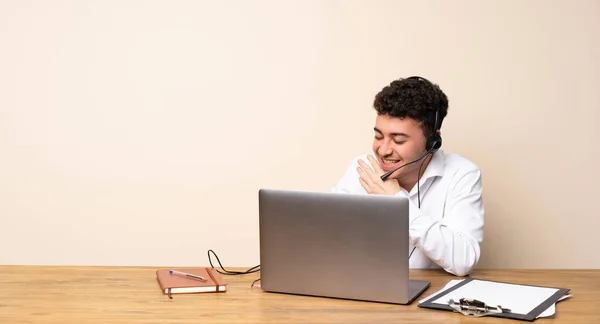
(391,134)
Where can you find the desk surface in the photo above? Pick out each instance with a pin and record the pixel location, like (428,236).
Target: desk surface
(47,294)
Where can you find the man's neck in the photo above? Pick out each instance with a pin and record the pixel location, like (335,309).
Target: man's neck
(410,180)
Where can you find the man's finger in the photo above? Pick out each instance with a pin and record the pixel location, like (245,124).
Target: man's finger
(363,179)
(365,185)
(376,166)
(368,170)
(362,174)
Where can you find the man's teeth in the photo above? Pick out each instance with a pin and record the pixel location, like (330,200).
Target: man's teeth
(390,161)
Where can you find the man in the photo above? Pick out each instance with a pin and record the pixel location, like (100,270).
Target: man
(444,190)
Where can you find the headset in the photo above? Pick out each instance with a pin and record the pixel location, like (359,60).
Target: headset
(434,141)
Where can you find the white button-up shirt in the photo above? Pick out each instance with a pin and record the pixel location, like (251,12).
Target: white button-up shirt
(448,228)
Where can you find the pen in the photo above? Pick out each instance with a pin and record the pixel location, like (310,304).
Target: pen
(189,275)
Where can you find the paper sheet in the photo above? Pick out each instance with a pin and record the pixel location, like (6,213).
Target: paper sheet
(548,312)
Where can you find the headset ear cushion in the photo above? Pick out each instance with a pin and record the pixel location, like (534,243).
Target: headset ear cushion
(434,142)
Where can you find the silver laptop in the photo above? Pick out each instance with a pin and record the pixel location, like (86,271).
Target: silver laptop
(336,245)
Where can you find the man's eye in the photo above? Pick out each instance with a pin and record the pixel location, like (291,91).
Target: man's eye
(378,138)
(399,142)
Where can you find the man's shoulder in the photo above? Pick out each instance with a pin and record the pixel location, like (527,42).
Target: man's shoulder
(456,163)
(462,175)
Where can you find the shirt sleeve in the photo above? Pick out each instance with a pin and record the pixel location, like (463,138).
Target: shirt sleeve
(454,241)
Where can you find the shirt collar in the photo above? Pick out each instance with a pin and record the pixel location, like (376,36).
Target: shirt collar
(436,167)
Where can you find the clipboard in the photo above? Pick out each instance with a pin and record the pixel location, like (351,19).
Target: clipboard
(526,302)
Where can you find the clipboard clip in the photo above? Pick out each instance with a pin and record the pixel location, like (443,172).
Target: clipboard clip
(475,308)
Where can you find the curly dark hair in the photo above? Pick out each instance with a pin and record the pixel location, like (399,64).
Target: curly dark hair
(416,98)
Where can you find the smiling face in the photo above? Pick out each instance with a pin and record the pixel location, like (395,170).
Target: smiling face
(399,141)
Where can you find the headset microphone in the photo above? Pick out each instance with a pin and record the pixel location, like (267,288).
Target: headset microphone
(389,173)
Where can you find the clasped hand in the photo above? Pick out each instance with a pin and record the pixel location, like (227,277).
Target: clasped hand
(370,178)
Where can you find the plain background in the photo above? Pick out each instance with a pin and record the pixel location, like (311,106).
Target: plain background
(139,132)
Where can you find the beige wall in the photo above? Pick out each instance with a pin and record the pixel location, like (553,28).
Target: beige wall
(138,132)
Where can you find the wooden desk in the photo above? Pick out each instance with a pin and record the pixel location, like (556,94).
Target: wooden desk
(45,294)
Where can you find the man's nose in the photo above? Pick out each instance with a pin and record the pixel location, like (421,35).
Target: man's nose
(385,149)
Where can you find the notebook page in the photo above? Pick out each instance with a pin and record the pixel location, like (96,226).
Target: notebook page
(519,299)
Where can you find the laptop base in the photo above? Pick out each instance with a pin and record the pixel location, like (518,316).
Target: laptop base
(417,287)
